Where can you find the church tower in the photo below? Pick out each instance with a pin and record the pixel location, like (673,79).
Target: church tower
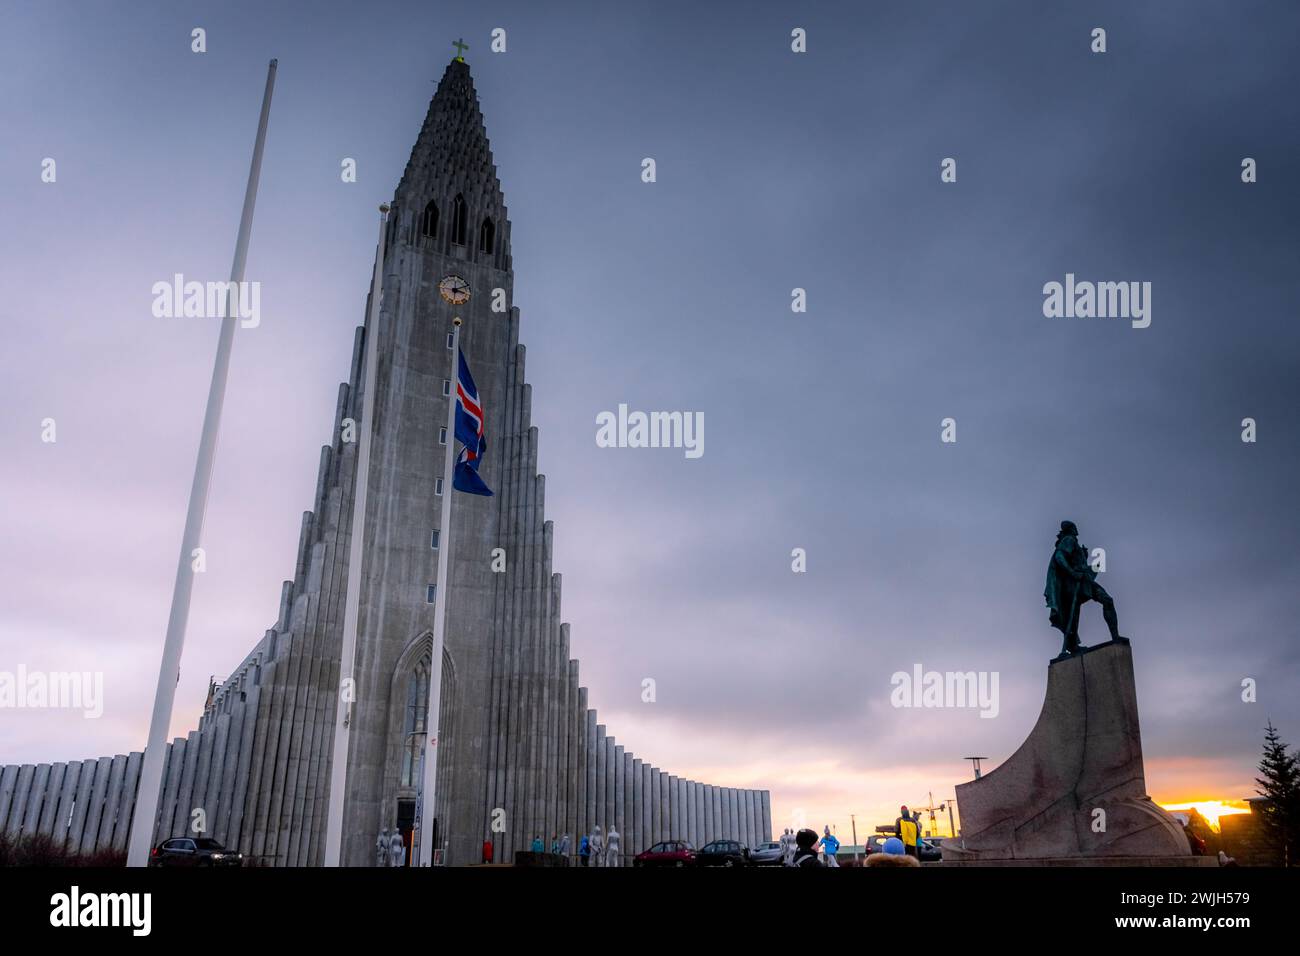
(520,752)
(518,747)
(449,256)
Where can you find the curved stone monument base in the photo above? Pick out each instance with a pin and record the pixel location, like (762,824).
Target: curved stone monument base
(1076,788)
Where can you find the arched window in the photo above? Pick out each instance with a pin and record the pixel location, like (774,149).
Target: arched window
(487,236)
(429,221)
(459,220)
(417,710)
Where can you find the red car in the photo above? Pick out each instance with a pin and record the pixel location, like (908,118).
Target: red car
(668,853)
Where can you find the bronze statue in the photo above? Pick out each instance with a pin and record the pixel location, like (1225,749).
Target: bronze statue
(1071,583)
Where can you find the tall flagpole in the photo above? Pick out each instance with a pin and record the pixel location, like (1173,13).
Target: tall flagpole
(169,671)
(429,791)
(352,600)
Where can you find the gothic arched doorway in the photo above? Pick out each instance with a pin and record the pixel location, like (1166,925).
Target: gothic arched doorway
(407,722)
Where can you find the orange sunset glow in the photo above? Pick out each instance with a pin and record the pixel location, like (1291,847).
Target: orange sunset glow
(1212,810)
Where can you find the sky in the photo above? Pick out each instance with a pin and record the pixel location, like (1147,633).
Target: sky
(775,170)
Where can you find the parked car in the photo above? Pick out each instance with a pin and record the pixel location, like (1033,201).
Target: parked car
(668,853)
(766,854)
(184,851)
(722,853)
(930,851)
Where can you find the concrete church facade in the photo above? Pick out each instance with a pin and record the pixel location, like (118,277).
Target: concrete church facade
(518,744)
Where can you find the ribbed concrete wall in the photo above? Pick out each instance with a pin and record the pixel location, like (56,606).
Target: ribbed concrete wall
(86,806)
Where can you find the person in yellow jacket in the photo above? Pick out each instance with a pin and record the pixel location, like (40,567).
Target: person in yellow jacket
(905,829)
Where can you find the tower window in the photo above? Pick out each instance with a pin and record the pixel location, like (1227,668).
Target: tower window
(429,221)
(487,236)
(446,387)
(417,711)
(433,540)
(442,435)
(437,485)
(459,220)
(431,594)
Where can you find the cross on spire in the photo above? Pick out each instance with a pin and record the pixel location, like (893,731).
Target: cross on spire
(461,46)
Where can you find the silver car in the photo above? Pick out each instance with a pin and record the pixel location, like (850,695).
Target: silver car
(765,854)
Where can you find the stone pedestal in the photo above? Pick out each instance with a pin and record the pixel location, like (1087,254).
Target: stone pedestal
(1083,756)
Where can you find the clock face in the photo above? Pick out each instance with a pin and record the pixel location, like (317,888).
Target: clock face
(454,289)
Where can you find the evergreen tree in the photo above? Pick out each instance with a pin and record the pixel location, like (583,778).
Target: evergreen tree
(1280,785)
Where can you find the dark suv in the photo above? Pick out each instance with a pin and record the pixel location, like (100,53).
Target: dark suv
(184,851)
(723,853)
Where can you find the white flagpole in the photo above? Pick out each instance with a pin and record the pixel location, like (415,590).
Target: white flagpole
(169,671)
(429,790)
(352,598)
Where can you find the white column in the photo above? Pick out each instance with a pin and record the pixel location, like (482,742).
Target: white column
(602,812)
(628,809)
(667,810)
(589,768)
(647,808)
(690,812)
(18,803)
(155,753)
(671,816)
(619,819)
(610,795)
(636,840)
(656,807)
(580,826)
(683,803)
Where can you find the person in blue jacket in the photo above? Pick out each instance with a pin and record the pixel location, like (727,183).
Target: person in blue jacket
(830,846)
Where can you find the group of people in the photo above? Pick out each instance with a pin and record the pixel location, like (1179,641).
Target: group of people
(802,848)
(559,845)
(390,848)
(594,849)
(805,848)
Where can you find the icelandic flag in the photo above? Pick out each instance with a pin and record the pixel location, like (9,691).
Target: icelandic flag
(469,432)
